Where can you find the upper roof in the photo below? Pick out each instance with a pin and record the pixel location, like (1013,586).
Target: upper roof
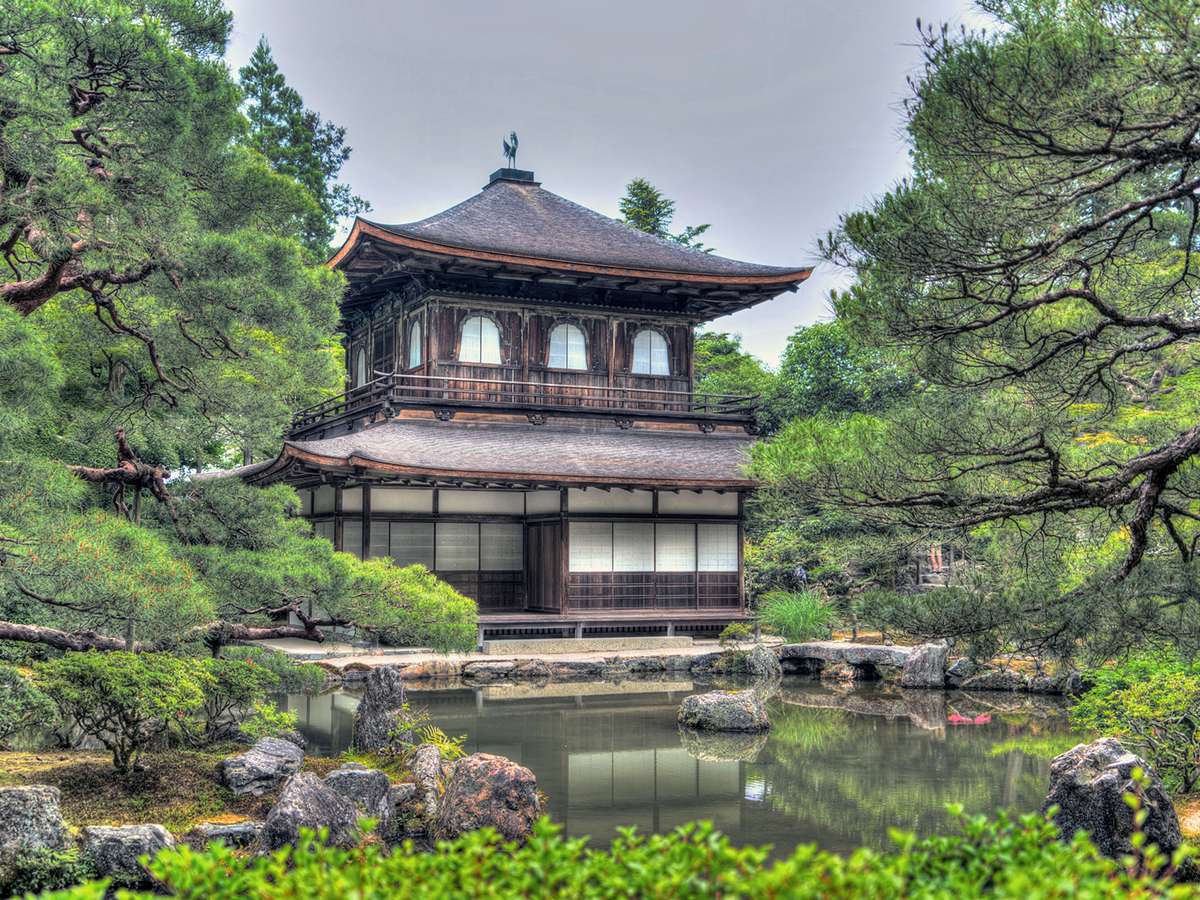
(428,450)
(518,226)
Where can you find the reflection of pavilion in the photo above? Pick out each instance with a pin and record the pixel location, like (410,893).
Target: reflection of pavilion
(607,761)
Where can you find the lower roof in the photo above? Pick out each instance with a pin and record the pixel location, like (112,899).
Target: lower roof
(432,451)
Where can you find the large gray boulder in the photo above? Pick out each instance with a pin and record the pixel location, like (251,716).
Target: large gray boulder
(115,852)
(29,820)
(1088,784)
(307,802)
(763,662)
(724,711)
(997,680)
(925,667)
(380,722)
(963,669)
(262,768)
(488,791)
(366,788)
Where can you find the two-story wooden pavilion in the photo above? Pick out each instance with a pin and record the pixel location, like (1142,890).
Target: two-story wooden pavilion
(521,416)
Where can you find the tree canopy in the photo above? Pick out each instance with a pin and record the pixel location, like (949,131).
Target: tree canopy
(159,288)
(155,259)
(1038,271)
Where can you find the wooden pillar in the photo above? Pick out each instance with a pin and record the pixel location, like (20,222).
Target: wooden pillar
(741,551)
(366,521)
(337,518)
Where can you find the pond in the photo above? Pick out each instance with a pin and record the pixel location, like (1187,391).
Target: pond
(838,768)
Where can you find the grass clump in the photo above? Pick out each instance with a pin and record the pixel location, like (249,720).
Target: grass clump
(797,616)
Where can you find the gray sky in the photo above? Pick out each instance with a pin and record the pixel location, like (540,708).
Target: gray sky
(765,117)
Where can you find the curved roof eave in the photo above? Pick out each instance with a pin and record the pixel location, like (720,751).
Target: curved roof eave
(362,230)
(291,453)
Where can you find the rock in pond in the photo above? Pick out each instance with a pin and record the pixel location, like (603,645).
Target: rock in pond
(114,852)
(724,711)
(1088,784)
(306,802)
(723,746)
(262,768)
(366,788)
(763,662)
(997,680)
(380,721)
(488,791)
(925,667)
(29,820)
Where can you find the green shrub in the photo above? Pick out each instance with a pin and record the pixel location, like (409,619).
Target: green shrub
(1151,701)
(1015,859)
(233,690)
(21,704)
(797,616)
(126,700)
(265,720)
(46,870)
(294,677)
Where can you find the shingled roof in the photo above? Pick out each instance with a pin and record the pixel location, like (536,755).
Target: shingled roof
(431,450)
(517,225)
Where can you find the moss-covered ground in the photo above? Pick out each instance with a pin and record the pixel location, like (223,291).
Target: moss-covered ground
(177,789)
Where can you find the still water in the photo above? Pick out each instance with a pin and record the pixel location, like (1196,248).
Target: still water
(838,769)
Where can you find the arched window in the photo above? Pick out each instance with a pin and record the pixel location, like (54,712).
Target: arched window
(650,354)
(414,344)
(568,349)
(360,367)
(480,341)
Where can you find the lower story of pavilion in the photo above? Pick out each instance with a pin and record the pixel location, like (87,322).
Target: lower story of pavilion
(572,530)
(600,561)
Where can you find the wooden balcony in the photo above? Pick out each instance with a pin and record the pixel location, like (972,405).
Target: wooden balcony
(444,396)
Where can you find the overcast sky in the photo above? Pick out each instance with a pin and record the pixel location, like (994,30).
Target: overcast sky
(766,118)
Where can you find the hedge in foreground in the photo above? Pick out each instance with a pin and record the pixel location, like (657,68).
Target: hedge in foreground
(1016,858)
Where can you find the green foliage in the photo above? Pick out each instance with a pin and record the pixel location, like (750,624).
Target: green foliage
(293,677)
(1043,289)
(298,143)
(1004,858)
(125,700)
(234,692)
(42,869)
(797,616)
(410,606)
(721,366)
(265,720)
(451,748)
(21,704)
(156,261)
(1153,702)
(645,208)
(824,372)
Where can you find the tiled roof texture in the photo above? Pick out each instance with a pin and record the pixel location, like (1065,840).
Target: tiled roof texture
(523,219)
(534,452)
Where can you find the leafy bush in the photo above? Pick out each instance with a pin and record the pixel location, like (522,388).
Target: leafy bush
(126,700)
(46,870)
(233,690)
(267,721)
(1152,701)
(797,616)
(294,677)
(1005,858)
(21,704)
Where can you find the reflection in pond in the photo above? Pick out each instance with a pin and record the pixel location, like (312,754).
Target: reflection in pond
(838,769)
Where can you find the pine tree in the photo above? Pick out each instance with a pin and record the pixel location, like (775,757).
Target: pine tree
(299,143)
(645,208)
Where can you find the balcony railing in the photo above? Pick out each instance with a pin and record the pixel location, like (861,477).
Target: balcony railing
(445,395)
